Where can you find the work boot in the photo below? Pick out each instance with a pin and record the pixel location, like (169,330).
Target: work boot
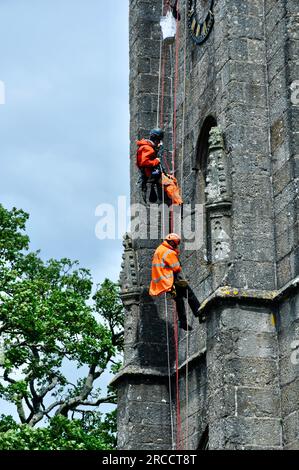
(159,192)
(197,313)
(153,195)
(183,324)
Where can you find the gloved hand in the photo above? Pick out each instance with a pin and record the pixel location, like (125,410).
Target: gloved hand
(173,292)
(156,171)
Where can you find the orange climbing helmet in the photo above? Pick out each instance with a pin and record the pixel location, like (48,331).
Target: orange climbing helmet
(173,237)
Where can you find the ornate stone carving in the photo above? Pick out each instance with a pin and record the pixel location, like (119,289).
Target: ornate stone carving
(128,277)
(218,181)
(218,198)
(220,237)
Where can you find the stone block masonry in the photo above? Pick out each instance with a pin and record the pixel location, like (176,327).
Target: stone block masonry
(238,158)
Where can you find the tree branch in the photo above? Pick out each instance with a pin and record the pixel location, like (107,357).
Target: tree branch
(49,388)
(72,403)
(115,336)
(109,399)
(20,410)
(114,362)
(33,391)
(39,416)
(51,407)
(19,404)
(30,405)
(7,378)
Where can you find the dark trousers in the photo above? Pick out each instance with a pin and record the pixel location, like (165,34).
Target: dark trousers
(156,188)
(186,293)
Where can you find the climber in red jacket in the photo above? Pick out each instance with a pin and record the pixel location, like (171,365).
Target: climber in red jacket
(149,163)
(148,156)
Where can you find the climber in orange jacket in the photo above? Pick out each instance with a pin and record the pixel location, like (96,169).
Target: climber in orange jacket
(167,277)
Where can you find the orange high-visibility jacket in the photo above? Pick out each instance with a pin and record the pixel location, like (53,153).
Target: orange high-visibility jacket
(165,264)
(146,156)
(172,189)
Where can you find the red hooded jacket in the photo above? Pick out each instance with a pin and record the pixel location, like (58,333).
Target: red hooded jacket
(146,156)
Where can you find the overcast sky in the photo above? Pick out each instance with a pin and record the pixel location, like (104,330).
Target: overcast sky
(64,140)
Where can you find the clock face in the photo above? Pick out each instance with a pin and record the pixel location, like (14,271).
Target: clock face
(201,8)
(200,19)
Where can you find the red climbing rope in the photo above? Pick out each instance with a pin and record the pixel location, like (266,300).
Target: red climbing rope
(177,384)
(176,79)
(162,86)
(174,133)
(162,102)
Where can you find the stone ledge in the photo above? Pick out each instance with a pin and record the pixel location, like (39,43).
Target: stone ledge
(131,296)
(225,293)
(249,295)
(229,292)
(131,370)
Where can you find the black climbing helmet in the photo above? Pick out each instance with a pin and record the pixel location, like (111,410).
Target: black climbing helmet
(156,134)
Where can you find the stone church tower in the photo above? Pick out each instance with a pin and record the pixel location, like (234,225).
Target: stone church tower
(237,156)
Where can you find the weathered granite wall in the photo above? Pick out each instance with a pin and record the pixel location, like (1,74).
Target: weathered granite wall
(288,336)
(238,158)
(227,79)
(144,408)
(282,34)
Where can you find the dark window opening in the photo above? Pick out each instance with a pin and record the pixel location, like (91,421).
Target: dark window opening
(201,165)
(202,152)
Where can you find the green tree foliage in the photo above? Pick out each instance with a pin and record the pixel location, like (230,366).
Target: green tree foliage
(92,433)
(48,321)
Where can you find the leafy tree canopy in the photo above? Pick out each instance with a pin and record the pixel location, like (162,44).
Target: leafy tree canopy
(49,324)
(93,432)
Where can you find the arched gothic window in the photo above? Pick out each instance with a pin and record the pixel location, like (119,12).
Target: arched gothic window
(201,162)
